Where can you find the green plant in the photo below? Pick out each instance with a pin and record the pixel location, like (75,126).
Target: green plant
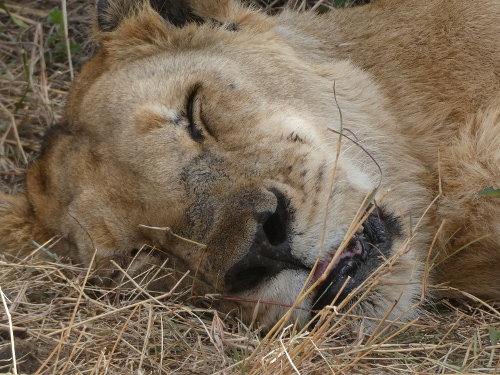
(57,42)
(491,192)
(16,20)
(494,338)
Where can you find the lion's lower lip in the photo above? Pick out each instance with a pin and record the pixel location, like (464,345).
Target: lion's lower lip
(343,276)
(355,249)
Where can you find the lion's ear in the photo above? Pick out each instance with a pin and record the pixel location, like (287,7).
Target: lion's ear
(178,12)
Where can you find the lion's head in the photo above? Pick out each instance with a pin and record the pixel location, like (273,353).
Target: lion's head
(197,138)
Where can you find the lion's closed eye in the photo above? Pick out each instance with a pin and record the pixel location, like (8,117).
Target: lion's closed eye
(193,112)
(198,125)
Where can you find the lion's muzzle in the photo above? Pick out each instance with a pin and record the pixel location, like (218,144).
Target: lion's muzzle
(270,252)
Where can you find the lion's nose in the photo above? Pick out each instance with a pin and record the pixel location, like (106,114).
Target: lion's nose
(270,252)
(274,224)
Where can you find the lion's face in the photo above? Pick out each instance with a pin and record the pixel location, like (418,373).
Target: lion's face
(210,145)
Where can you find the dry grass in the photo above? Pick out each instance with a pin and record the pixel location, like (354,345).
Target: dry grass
(64,323)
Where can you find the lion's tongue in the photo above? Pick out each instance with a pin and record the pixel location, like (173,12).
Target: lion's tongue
(356,249)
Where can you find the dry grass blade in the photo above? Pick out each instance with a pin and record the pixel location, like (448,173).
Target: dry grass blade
(11,331)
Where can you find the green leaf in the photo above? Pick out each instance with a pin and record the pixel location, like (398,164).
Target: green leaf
(491,192)
(60,47)
(494,335)
(74,48)
(17,21)
(342,3)
(55,17)
(52,39)
(28,86)
(50,254)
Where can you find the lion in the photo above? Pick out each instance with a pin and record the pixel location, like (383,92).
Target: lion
(270,154)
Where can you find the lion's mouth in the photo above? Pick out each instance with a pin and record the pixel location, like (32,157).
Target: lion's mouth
(361,257)
(355,250)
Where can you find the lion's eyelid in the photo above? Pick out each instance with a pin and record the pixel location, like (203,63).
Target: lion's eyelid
(194,127)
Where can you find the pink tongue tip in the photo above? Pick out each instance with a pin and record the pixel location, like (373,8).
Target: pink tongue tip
(320,270)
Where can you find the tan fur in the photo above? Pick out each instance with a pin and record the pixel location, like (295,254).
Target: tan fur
(417,84)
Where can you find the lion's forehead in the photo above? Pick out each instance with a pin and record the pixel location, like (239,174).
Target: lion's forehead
(166,76)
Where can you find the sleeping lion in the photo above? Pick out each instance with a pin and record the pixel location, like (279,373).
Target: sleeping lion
(279,159)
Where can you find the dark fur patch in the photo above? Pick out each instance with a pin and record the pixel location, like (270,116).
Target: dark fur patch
(177,12)
(104,25)
(294,137)
(53,134)
(392,221)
